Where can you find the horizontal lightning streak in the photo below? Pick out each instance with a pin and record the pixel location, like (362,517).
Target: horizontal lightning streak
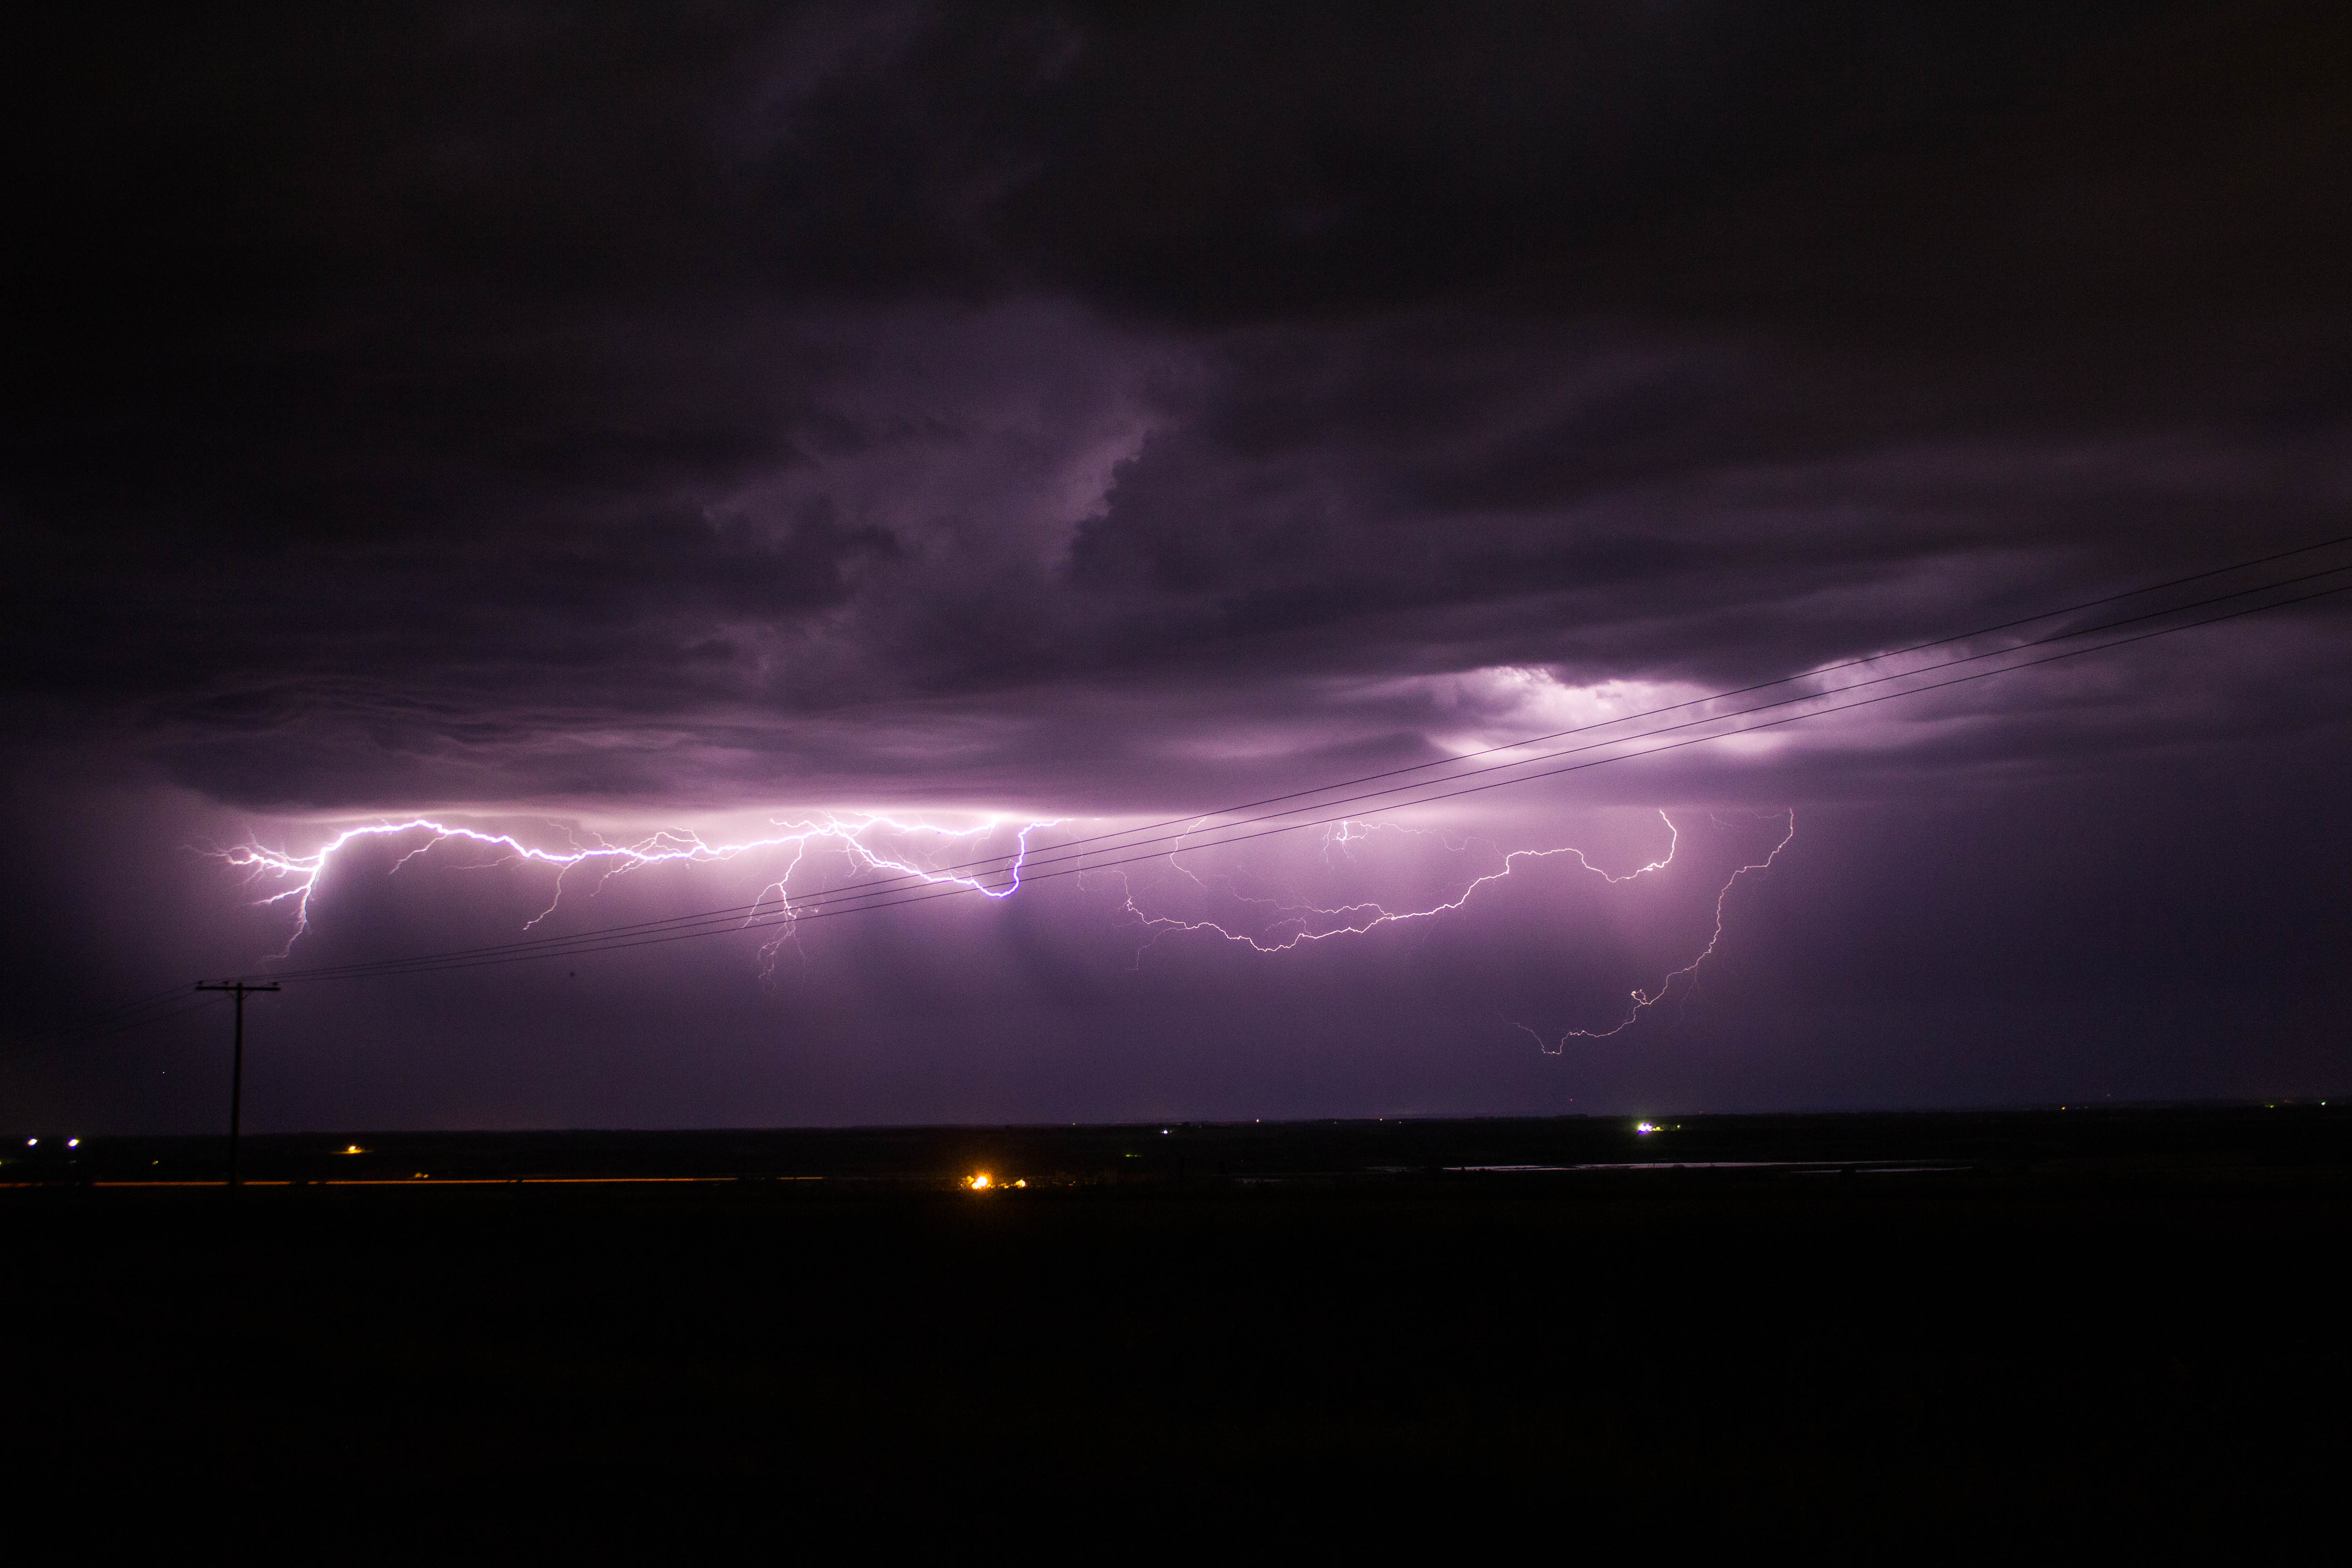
(889,894)
(1646,1000)
(1371,916)
(913,884)
(663,848)
(1151,834)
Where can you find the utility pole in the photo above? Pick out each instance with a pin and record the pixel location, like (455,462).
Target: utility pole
(237,988)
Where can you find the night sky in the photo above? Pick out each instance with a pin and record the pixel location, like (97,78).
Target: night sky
(709,423)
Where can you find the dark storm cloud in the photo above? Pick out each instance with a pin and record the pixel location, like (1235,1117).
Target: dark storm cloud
(499,403)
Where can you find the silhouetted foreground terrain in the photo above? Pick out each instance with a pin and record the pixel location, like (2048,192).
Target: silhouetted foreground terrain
(1964,1326)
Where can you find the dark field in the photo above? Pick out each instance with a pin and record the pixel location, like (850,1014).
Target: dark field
(1977,1327)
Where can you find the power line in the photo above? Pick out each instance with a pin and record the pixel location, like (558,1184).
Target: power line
(892,891)
(104,1014)
(917,886)
(1734,692)
(127,1016)
(80,1036)
(241,990)
(889,888)
(624,938)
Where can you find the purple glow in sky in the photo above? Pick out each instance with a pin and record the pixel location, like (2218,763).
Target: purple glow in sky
(707,461)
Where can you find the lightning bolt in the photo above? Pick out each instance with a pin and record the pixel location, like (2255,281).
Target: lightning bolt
(1356,920)
(876,842)
(854,835)
(1307,922)
(1644,1000)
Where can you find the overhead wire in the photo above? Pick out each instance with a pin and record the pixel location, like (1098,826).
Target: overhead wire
(820,907)
(106,1016)
(1009,864)
(922,886)
(89,1033)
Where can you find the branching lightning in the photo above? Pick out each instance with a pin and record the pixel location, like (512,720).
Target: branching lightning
(889,846)
(2017,646)
(1294,924)
(858,837)
(1291,925)
(1643,1001)
(1356,920)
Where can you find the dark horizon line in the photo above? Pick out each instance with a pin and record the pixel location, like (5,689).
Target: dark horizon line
(2006,1108)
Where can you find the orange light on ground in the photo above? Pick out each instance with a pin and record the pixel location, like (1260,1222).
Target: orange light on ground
(354,1149)
(978,1184)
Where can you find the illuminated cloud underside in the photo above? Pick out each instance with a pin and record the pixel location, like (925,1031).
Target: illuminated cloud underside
(901,853)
